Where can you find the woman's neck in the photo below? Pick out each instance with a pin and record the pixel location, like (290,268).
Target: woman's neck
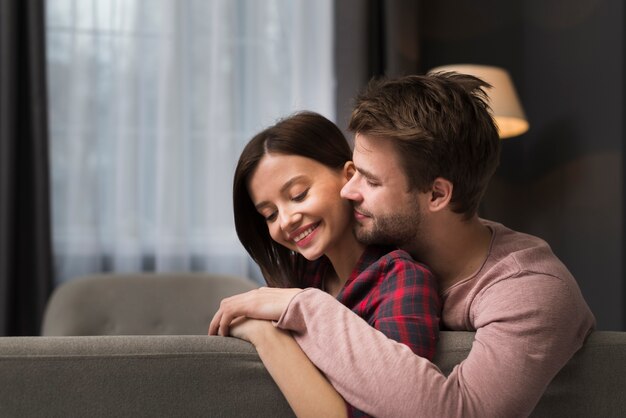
(343,257)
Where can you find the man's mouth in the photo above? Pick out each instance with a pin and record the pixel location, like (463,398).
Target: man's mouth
(360,214)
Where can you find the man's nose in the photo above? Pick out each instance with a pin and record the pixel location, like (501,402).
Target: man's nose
(349,190)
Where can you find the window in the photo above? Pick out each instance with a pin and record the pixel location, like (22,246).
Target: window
(151,103)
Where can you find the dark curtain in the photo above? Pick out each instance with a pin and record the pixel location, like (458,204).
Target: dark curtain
(373,38)
(25,244)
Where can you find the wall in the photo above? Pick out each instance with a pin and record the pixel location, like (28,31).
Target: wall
(562,180)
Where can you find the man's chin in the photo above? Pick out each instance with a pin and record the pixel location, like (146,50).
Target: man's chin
(364,235)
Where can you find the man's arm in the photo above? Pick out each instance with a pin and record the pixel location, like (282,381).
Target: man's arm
(526,333)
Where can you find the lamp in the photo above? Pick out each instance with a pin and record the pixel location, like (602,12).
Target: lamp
(505,105)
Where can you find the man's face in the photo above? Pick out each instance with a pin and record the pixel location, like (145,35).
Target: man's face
(386,212)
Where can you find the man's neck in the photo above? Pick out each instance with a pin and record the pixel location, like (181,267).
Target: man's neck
(454,248)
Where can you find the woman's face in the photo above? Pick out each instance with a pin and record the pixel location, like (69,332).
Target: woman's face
(299,199)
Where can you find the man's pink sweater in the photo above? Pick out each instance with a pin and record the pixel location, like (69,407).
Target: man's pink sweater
(528,314)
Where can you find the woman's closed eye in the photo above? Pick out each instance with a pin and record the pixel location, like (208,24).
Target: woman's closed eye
(271,217)
(300,196)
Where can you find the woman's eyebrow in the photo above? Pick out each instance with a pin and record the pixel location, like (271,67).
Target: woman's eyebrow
(284,187)
(291,181)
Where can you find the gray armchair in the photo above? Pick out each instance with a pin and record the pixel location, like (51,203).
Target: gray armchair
(139,304)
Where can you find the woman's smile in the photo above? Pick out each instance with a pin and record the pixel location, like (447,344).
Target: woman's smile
(303,236)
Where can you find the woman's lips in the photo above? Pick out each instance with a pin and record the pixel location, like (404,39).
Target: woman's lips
(304,235)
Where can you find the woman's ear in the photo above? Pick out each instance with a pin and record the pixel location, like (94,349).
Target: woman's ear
(348,170)
(440,194)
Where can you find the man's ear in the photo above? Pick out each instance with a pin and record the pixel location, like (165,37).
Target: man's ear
(440,194)
(348,170)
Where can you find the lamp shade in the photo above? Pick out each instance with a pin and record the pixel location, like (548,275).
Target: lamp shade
(505,105)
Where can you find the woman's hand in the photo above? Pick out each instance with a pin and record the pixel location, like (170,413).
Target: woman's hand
(251,330)
(267,303)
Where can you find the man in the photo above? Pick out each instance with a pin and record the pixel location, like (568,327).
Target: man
(425,149)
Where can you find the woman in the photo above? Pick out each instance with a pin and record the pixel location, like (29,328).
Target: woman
(292,221)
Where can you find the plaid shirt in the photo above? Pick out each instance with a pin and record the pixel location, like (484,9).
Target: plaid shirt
(394,294)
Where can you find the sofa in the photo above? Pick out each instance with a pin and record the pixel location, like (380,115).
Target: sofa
(86,363)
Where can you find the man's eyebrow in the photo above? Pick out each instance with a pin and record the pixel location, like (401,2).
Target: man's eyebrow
(285,186)
(366,173)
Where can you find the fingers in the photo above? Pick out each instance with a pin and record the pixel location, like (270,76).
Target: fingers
(230,308)
(221,321)
(224,323)
(215,322)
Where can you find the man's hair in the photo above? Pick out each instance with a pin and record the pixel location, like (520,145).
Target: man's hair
(440,125)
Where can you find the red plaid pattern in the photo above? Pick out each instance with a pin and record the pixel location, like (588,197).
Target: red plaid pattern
(394,294)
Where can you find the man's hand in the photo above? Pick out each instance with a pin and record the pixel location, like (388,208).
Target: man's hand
(267,303)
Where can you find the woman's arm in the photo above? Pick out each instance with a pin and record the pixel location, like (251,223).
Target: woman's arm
(307,391)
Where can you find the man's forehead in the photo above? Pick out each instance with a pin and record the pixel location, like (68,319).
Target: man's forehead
(360,144)
(376,157)
(364,145)
(373,148)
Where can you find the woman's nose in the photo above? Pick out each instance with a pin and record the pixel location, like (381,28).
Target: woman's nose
(289,219)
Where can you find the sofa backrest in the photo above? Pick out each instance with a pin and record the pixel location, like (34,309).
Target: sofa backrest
(139,304)
(135,376)
(76,372)
(592,383)
(153,376)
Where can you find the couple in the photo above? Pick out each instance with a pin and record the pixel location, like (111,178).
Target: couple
(425,149)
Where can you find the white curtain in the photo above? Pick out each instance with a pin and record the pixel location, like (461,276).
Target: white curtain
(151,103)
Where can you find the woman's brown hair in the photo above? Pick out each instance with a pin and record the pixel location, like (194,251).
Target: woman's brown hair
(305,134)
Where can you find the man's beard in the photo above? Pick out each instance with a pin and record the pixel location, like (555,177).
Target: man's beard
(399,230)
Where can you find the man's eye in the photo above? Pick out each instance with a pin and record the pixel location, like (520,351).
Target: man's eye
(372,183)
(300,197)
